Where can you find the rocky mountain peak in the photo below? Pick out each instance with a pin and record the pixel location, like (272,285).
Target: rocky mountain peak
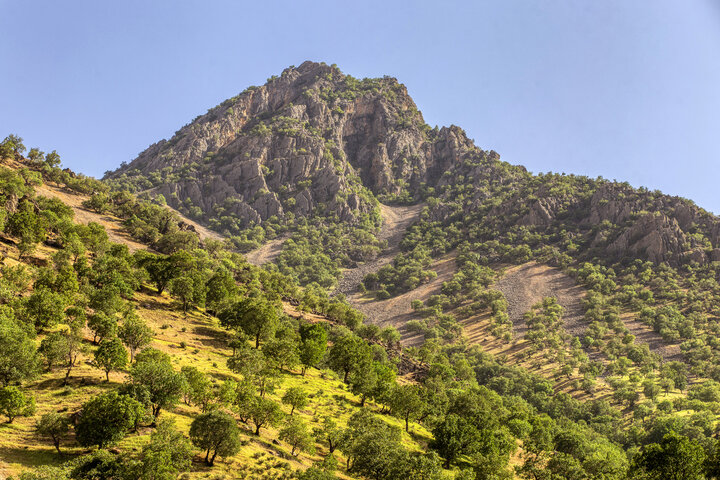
(310,140)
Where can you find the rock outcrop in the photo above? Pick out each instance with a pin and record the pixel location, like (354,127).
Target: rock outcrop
(314,141)
(310,140)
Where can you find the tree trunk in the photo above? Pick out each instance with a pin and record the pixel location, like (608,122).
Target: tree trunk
(347,372)
(212,460)
(257,429)
(207,457)
(107,375)
(56,442)
(257,340)
(292,410)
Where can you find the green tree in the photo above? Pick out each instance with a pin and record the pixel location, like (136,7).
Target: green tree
(197,387)
(296,397)
(134,333)
(18,355)
(329,433)
(166,454)
(262,412)
(102,326)
(105,419)
(45,308)
(675,458)
(183,288)
(256,317)
(111,355)
(14,403)
(406,403)
(216,433)
(12,145)
(52,159)
(54,426)
(153,371)
(63,349)
(297,435)
(313,345)
(282,351)
(348,353)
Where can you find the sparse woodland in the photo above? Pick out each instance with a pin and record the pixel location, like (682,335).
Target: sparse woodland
(182,360)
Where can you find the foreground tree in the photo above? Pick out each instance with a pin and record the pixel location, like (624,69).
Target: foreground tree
(295,397)
(216,433)
(153,372)
(111,355)
(14,403)
(675,458)
(297,435)
(166,454)
(134,333)
(106,419)
(54,426)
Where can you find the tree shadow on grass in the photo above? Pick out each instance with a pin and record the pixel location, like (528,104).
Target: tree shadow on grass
(211,337)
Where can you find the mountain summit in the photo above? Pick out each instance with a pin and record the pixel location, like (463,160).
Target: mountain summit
(316,142)
(312,138)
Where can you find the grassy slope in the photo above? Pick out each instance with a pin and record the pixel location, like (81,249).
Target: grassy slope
(205,348)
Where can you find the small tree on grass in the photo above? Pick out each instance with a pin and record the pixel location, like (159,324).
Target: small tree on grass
(111,355)
(295,397)
(183,288)
(102,326)
(106,419)
(257,317)
(134,333)
(296,434)
(406,403)
(154,372)
(216,433)
(14,403)
(63,349)
(264,412)
(167,453)
(53,426)
(330,433)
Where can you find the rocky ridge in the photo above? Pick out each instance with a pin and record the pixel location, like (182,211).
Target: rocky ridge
(314,141)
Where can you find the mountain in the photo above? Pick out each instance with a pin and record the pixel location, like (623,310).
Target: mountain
(314,141)
(310,138)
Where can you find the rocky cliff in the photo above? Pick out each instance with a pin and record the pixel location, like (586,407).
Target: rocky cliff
(314,141)
(310,140)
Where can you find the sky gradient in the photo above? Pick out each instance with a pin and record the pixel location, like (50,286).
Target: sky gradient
(629,90)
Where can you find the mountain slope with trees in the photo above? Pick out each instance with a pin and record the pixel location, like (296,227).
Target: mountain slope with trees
(210,365)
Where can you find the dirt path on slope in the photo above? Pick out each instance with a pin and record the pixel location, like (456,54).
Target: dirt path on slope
(396,221)
(266,253)
(527,284)
(113,227)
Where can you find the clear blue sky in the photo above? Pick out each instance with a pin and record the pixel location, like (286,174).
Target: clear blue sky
(626,89)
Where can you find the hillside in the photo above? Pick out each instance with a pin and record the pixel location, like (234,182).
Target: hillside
(458,316)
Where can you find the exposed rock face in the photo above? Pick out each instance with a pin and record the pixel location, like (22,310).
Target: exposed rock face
(311,138)
(315,141)
(653,236)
